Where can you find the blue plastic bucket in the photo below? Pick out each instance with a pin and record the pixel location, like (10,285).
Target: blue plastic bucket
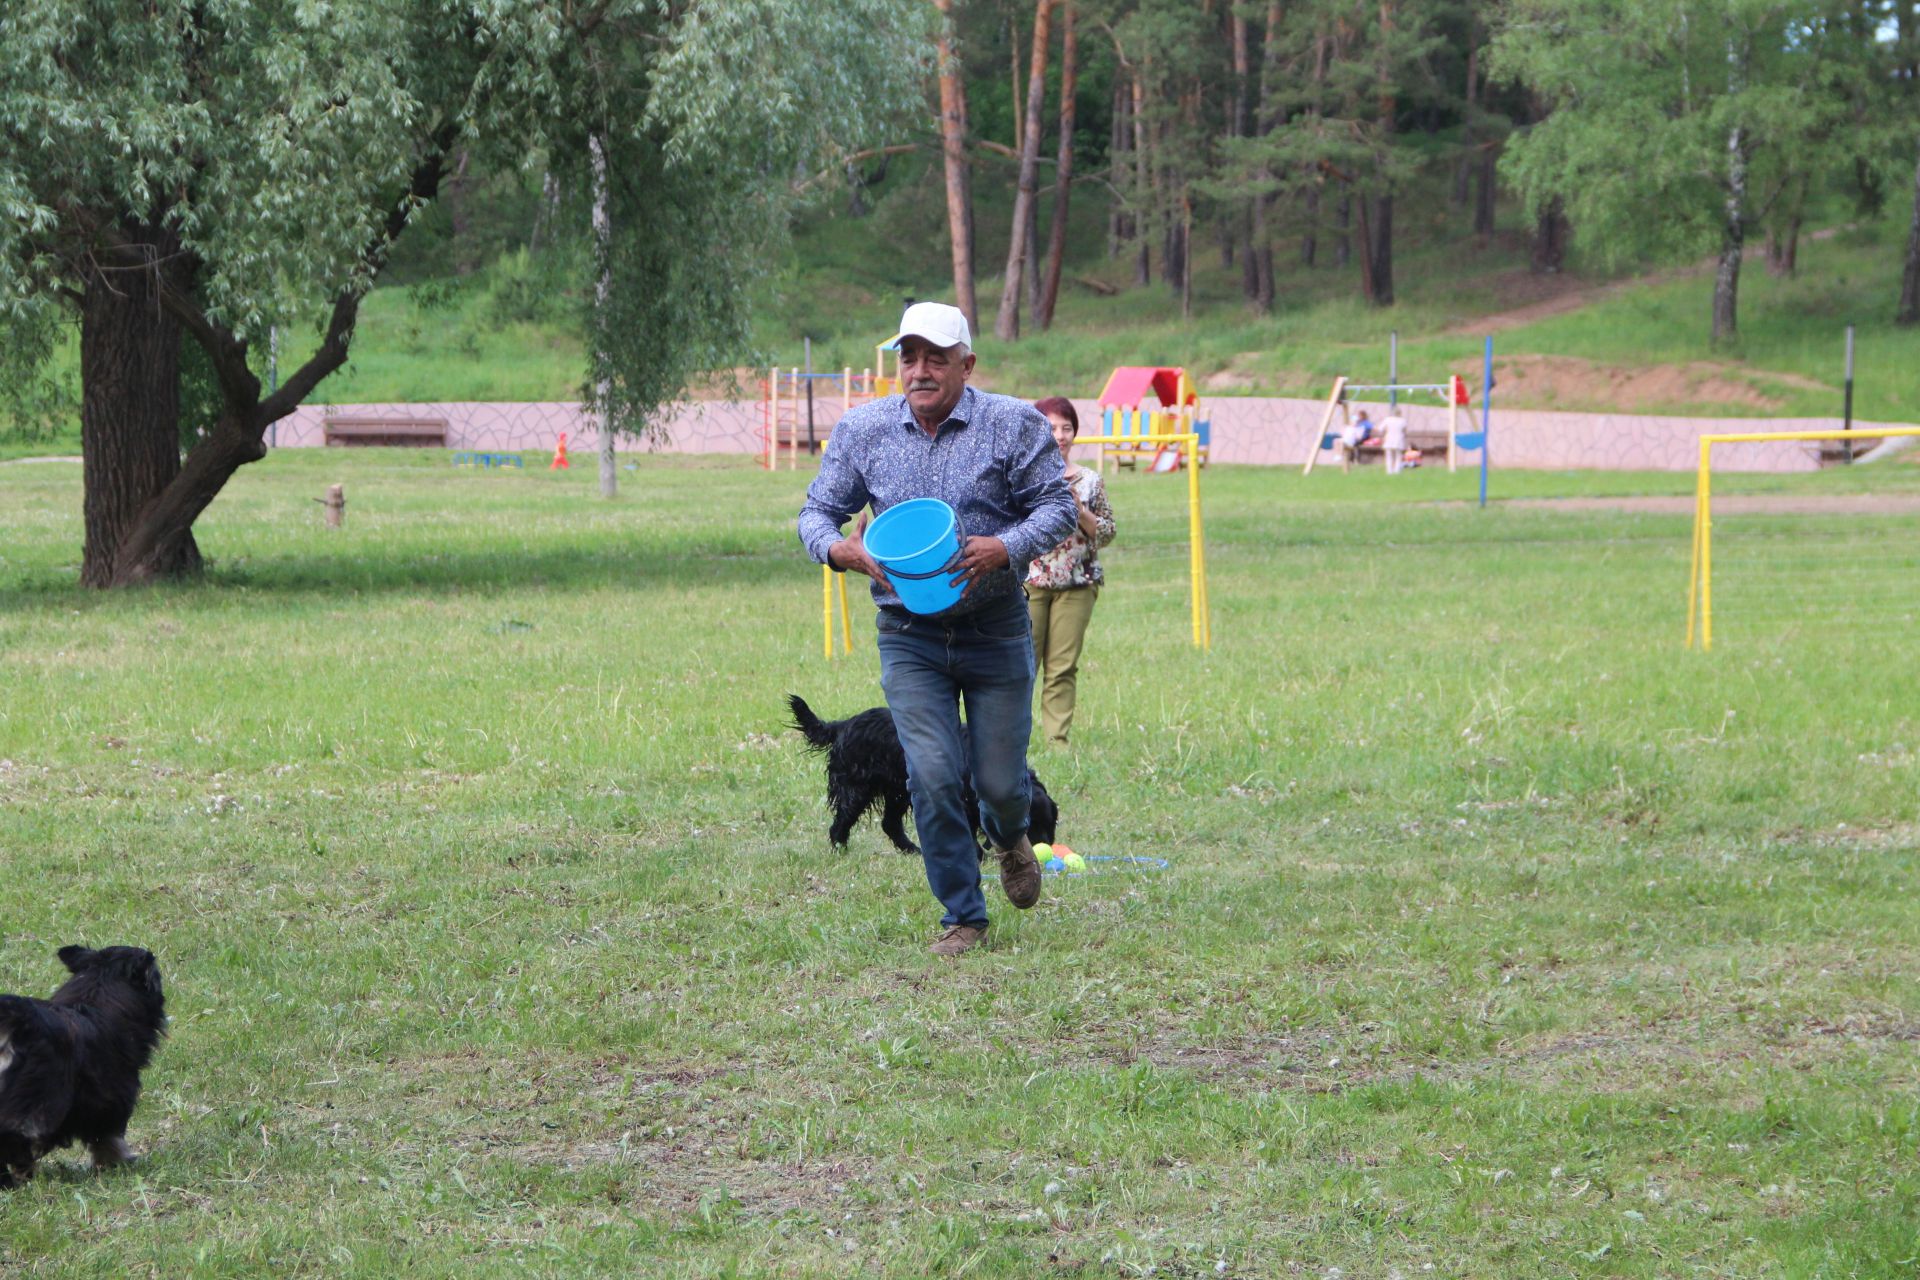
(915,542)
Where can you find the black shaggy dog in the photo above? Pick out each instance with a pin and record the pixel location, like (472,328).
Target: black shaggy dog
(70,1066)
(865,764)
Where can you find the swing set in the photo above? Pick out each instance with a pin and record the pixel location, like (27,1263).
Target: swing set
(1453,392)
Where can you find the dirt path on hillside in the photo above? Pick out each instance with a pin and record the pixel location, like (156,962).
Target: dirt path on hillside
(1739,504)
(1554,295)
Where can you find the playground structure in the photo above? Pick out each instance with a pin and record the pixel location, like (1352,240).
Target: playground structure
(1700,577)
(1131,430)
(1453,392)
(788,416)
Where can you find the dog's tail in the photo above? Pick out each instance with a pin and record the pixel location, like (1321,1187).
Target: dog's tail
(811,726)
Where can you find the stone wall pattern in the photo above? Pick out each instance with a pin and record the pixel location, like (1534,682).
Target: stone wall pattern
(1265,431)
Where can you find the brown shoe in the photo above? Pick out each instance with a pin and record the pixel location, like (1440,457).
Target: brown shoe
(1020,874)
(957,939)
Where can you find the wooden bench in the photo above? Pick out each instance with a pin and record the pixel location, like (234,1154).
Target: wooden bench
(423,433)
(1430,445)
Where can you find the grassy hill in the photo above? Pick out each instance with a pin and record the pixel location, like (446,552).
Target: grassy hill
(1581,340)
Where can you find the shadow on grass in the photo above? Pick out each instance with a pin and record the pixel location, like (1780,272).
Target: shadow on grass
(430,573)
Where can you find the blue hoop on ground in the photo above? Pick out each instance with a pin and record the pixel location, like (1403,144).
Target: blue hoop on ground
(1133,861)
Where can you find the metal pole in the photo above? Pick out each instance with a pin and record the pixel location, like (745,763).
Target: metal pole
(1846,442)
(1393,369)
(1486,421)
(813,445)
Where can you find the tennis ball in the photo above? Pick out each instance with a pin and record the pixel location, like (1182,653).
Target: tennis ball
(1042,851)
(1074,861)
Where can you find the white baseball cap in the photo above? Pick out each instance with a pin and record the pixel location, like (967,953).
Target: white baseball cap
(938,323)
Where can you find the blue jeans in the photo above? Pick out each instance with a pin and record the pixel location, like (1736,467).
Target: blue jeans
(929,667)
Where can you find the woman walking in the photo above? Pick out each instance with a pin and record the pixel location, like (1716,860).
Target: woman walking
(1063,583)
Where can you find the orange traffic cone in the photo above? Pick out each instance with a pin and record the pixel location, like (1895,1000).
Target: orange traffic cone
(560,462)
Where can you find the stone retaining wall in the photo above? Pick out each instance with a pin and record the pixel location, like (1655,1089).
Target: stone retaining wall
(1258,431)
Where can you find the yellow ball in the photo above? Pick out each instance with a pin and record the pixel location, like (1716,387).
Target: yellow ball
(1041,852)
(1073,860)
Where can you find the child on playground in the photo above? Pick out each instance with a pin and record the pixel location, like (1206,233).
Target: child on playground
(1063,583)
(1352,436)
(1393,440)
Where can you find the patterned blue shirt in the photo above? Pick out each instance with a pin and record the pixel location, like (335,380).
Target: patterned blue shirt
(993,461)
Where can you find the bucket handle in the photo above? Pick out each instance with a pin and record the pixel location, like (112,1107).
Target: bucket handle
(959,534)
(920,577)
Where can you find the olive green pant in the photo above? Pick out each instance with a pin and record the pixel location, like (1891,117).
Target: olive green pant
(1060,621)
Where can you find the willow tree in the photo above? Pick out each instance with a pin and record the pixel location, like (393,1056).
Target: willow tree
(177,171)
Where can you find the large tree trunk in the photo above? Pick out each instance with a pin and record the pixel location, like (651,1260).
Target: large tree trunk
(1733,238)
(953,142)
(1143,183)
(1119,139)
(1310,234)
(1469,157)
(1376,249)
(1063,172)
(138,304)
(130,410)
(1550,235)
(1909,310)
(1240,125)
(1783,248)
(1783,234)
(1267,116)
(465,252)
(1006,326)
(1483,206)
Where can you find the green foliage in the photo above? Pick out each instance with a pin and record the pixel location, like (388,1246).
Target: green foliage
(276,140)
(1648,96)
(700,172)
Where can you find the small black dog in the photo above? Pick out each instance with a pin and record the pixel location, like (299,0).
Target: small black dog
(70,1066)
(865,764)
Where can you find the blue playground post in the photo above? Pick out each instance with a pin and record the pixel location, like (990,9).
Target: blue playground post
(1486,420)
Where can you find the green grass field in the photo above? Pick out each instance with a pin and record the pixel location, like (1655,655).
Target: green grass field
(1501,935)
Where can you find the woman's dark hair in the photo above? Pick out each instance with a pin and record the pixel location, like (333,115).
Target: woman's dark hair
(1059,405)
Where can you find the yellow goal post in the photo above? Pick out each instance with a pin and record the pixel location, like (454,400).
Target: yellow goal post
(1700,578)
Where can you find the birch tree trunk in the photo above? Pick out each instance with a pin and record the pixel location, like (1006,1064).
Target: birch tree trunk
(602,292)
(1006,326)
(1733,237)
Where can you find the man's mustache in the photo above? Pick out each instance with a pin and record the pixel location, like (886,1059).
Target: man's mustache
(923,384)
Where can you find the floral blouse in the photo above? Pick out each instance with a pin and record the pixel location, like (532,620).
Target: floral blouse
(1076,562)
